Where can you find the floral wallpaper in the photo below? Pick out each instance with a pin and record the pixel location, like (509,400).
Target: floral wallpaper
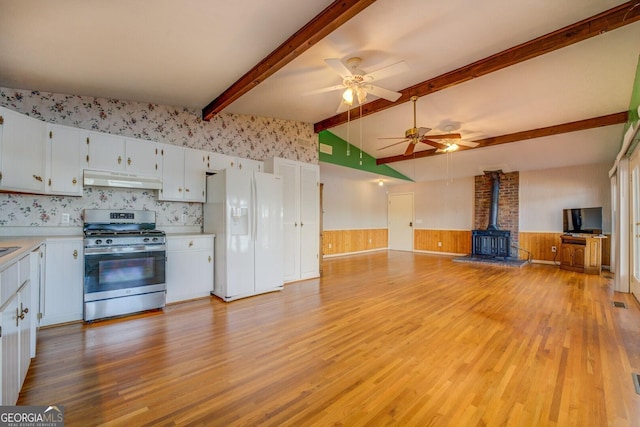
(251,137)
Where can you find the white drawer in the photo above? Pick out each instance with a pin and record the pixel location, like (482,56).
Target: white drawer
(195,242)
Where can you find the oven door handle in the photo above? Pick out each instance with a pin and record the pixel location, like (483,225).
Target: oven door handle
(124,249)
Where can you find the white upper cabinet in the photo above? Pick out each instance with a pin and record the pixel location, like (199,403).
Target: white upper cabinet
(219,161)
(142,157)
(119,154)
(183,174)
(105,152)
(195,175)
(22,152)
(65,158)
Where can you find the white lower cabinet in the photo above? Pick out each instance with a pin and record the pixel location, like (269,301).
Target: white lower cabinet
(61,298)
(189,272)
(16,323)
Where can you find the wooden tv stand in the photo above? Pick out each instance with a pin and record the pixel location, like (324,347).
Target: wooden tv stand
(581,253)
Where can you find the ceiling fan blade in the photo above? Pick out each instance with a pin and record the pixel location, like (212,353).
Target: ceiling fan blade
(422,131)
(445,136)
(339,67)
(392,145)
(410,148)
(381,92)
(324,89)
(391,70)
(470,144)
(434,144)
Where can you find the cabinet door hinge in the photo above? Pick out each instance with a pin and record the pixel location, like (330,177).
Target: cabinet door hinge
(0,326)
(87,140)
(50,135)
(1,120)
(87,158)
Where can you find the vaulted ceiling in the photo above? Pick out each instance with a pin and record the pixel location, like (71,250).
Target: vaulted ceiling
(194,53)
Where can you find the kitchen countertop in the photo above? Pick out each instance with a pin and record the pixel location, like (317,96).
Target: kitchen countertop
(26,244)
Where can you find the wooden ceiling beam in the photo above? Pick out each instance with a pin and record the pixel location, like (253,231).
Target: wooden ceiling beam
(611,19)
(595,122)
(336,14)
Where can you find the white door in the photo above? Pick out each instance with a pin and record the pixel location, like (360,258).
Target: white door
(634,167)
(400,222)
(240,260)
(268,231)
(309,222)
(291,229)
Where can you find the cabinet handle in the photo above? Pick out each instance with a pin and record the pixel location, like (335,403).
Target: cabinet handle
(240,166)
(295,224)
(186,190)
(129,161)
(231,164)
(50,135)
(75,254)
(119,159)
(301,224)
(49,182)
(209,258)
(37,178)
(74,181)
(179,189)
(191,243)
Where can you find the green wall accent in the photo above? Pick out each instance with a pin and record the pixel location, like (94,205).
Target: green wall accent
(635,97)
(339,156)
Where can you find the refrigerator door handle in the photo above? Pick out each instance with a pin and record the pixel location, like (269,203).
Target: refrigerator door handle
(254,211)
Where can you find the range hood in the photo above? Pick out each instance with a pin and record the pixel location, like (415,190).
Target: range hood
(121,179)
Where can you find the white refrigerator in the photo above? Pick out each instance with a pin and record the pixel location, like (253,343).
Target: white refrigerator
(244,211)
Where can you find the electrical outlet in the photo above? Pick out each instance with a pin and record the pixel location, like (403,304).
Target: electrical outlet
(183,219)
(65,218)
(553,249)
(439,244)
(329,245)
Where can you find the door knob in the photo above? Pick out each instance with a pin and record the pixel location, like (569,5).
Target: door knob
(411,224)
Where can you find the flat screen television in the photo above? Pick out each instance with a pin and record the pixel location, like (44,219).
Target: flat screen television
(582,220)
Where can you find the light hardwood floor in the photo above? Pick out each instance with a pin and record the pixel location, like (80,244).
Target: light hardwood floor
(385,338)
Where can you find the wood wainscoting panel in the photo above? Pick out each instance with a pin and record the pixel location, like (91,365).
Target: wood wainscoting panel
(539,245)
(336,242)
(446,241)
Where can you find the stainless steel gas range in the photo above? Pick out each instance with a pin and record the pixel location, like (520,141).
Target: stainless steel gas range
(124,263)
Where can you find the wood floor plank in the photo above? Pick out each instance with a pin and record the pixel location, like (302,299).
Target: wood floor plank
(383,338)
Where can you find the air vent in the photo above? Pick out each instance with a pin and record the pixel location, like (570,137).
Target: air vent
(619,304)
(326,149)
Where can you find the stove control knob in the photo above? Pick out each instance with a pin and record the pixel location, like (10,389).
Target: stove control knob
(155,239)
(109,241)
(146,239)
(98,242)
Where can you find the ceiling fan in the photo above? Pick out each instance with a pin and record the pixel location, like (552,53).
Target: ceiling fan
(357,84)
(419,134)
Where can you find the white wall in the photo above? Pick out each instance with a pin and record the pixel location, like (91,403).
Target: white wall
(352,204)
(545,193)
(449,205)
(442,205)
